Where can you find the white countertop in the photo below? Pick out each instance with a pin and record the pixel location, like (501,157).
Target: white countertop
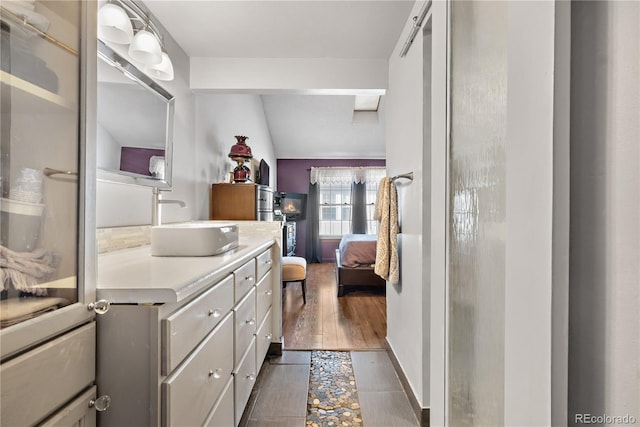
(134,276)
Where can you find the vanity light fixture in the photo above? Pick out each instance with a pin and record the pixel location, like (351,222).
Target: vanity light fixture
(163,70)
(124,22)
(114,24)
(145,48)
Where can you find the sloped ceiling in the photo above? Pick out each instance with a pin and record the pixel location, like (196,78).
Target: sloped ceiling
(302,126)
(323,126)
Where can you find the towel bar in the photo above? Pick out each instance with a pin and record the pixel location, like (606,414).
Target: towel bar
(408,176)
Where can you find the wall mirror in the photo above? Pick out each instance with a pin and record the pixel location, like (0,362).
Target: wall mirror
(134,124)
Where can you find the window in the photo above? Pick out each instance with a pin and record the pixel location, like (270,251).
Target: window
(372,191)
(335,201)
(335,209)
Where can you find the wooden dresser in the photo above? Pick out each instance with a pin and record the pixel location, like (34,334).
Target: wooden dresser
(244,202)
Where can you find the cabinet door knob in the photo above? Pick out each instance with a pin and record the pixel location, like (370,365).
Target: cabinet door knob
(100,306)
(251,376)
(249,278)
(101,403)
(269,292)
(268,337)
(268,262)
(250,322)
(215,374)
(215,313)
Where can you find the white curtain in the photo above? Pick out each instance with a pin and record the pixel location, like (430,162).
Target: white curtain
(347,175)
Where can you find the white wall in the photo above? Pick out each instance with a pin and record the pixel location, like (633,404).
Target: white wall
(604,322)
(404,134)
(436,221)
(536,243)
(289,75)
(108,149)
(219,117)
(415,308)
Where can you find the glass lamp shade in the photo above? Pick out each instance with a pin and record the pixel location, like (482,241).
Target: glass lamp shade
(145,48)
(114,24)
(240,151)
(163,70)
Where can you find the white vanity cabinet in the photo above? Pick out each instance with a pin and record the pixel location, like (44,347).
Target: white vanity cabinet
(47,204)
(251,315)
(265,332)
(184,352)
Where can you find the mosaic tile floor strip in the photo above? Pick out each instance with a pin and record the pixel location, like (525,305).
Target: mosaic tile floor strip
(333,396)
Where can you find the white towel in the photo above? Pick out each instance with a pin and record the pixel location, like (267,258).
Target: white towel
(34,18)
(16,310)
(24,270)
(28,4)
(386,212)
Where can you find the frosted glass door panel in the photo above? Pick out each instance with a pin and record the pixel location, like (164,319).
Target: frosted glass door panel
(477,216)
(40,132)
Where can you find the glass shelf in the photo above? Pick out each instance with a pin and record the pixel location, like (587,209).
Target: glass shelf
(30,98)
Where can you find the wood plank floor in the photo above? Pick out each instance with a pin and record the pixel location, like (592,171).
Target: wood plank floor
(356,321)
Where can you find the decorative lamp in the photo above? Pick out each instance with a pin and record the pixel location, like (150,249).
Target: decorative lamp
(240,153)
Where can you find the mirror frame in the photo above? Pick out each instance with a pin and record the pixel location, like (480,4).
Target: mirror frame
(112,58)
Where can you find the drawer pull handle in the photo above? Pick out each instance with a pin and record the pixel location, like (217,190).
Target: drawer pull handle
(215,313)
(249,278)
(215,374)
(251,377)
(268,337)
(268,262)
(250,322)
(268,293)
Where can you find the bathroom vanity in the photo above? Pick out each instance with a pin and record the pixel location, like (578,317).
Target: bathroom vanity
(185,337)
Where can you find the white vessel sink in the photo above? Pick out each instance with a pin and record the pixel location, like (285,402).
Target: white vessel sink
(204,238)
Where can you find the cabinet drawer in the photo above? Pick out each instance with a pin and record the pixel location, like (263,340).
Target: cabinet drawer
(263,263)
(244,380)
(245,278)
(263,297)
(184,329)
(222,413)
(245,321)
(189,392)
(38,382)
(75,414)
(263,339)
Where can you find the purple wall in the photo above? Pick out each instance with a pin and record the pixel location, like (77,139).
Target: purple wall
(136,160)
(293,176)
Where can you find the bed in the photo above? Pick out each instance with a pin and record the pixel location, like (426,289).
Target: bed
(355,258)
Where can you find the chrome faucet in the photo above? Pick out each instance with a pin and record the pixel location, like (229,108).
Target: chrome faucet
(156,201)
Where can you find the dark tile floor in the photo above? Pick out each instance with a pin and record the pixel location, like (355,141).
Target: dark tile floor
(279,397)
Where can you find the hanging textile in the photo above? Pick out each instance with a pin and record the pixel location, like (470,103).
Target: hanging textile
(347,175)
